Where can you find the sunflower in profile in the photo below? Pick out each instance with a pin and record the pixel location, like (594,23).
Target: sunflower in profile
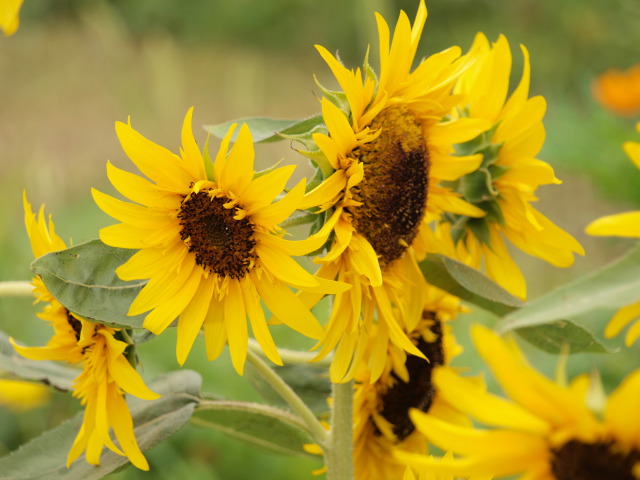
(381,408)
(622,225)
(106,373)
(388,149)
(504,184)
(209,243)
(546,431)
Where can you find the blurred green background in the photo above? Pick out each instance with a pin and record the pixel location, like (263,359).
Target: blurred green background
(75,67)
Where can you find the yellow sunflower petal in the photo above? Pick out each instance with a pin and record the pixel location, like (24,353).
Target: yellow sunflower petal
(192,318)
(261,191)
(214,329)
(237,171)
(192,157)
(235,320)
(621,319)
(259,323)
(619,225)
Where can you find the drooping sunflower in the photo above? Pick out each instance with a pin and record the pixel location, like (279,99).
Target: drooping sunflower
(209,243)
(106,373)
(381,408)
(505,183)
(545,432)
(10,16)
(619,91)
(622,225)
(388,149)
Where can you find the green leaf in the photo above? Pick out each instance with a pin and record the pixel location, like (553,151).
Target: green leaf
(468,284)
(265,129)
(44,458)
(83,279)
(309,382)
(613,286)
(261,425)
(552,337)
(49,373)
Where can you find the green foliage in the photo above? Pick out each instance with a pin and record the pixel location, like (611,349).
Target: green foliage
(615,285)
(264,426)
(556,336)
(266,130)
(44,458)
(83,279)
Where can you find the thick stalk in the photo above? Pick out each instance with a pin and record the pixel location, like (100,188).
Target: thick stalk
(16,289)
(338,453)
(314,426)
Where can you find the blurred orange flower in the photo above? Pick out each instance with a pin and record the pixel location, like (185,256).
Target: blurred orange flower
(619,91)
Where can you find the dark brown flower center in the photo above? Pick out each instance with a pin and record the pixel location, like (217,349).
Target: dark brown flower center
(75,324)
(593,461)
(222,244)
(394,189)
(419,391)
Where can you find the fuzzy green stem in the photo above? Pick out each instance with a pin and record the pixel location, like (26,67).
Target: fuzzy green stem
(292,356)
(313,425)
(338,453)
(16,289)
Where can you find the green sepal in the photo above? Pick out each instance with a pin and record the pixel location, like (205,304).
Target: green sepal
(45,457)
(83,280)
(368,70)
(266,129)
(268,170)
(338,98)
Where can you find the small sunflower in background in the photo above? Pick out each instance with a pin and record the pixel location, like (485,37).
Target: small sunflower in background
(10,16)
(106,373)
(619,91)
(209,243)
(545,431)
(381,408)
(622,225)
(504,184)
(22,396)
(388,149)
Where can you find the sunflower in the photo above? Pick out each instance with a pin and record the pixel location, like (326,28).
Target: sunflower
(504,185)
(388,151)
(546,432)
(381,408)
(10,16)
(209,243)
(619,91)
(622,225)
(106,373)
(21,396)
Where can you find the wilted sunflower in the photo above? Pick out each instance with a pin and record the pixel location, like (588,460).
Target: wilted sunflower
(381,409)
(210,244)
(546,432)
(10,16)
(387,152)
(106,373)
(622,225)
(504,185)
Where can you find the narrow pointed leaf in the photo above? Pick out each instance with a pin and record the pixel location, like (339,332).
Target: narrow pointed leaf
(44,458)
(614,286)
(83,279)
(50,373)
(469,284)
(266,427)
(264,129)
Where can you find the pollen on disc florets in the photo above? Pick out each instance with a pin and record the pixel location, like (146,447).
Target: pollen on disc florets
(419,391)
(393,191)
(221,243)
(594,461)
